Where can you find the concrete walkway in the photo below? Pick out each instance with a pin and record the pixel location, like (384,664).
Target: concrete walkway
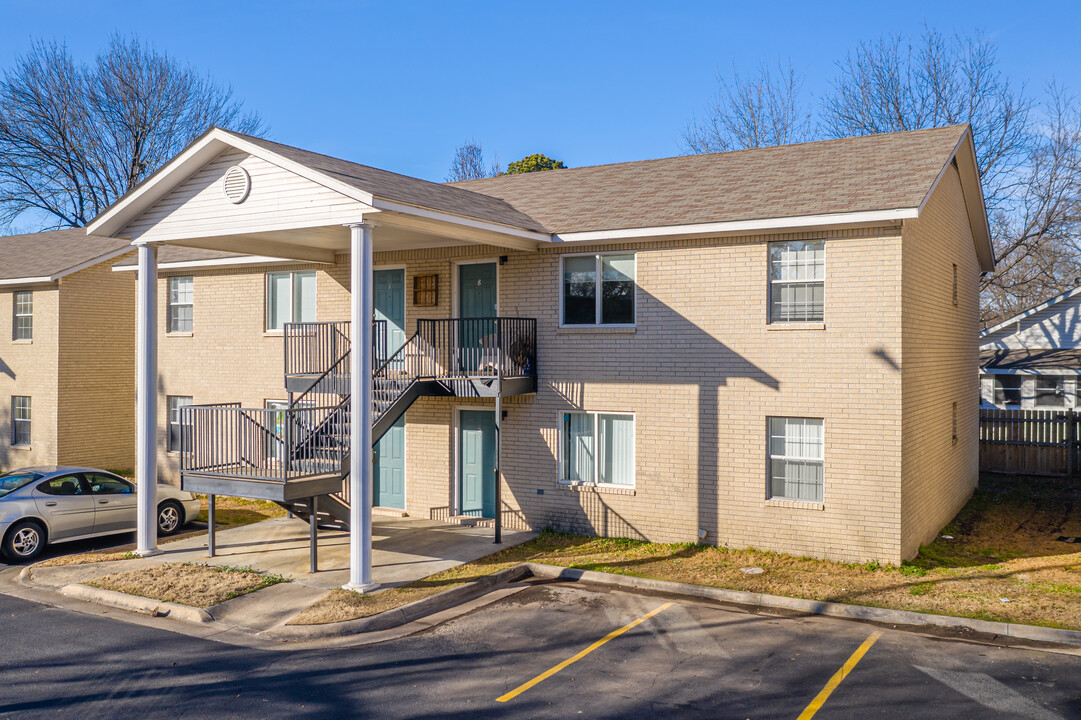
(404,550)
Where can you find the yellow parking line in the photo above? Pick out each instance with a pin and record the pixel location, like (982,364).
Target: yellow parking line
(838,676)
(575,658)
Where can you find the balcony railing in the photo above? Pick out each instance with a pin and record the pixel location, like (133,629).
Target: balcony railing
(312,347)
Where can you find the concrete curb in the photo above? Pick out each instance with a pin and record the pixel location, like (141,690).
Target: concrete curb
(762,601)
(134,603)
(404,614)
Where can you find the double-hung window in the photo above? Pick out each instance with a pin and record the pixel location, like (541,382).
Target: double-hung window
(20,420)
(796,458)
(23,324)
(181,295)
(290,297)
(797,275)
(598,289)
(1050,391)
(1008,390)
(597,448)
(179,433)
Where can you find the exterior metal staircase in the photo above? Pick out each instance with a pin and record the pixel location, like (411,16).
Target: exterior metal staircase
(293,454)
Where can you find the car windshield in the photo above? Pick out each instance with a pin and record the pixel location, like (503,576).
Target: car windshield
(12,481)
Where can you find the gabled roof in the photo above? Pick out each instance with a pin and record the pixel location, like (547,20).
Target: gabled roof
(1031,311)
(172,257)
(1030,361)
(49,256)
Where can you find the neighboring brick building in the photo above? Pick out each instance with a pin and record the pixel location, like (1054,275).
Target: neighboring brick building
(67,369)
(770,348)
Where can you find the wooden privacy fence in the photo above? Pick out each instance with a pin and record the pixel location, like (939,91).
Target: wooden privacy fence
(1033,442)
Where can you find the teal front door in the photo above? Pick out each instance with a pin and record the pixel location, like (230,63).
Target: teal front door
(389,297)
(389,472)
(389,476)
(477,298)
(476,463)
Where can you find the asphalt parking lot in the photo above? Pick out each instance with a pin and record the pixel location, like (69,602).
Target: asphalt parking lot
(684,660)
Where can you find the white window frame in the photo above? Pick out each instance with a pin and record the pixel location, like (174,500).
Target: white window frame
(597,304)
(770,457)
(179,424)
(169,304)
(596,435)
(772,283)
(292,297)
(16,315)
(15,420)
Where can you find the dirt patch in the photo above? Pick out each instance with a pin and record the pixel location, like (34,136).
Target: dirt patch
(228,512)
(1001,562)
(191,584)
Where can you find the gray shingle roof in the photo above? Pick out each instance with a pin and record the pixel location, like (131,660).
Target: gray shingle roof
(873,172)
(51,253)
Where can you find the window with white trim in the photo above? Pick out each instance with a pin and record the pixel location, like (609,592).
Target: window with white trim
(23,325)
(598,289)
(179,433)
(797,281)
(1050,391)
(796,458)
(20,420)
(597,448)
(1008,390)
(181,296)
(290,297)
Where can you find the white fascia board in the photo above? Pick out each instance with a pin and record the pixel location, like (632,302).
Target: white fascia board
(92,262)
(27,280)
(741,226)
(381,204)
(213,263)
(1025,371)
(200,152)
(1031,311)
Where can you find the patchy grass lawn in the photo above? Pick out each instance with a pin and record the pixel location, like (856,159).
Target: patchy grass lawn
(1003,547)
(228,512)
(192,584)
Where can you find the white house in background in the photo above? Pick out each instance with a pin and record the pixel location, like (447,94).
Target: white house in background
(1032,360)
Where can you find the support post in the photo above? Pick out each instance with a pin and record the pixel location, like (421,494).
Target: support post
(210,525)
(498,453)
(360,410)
(146,393)
(313,527)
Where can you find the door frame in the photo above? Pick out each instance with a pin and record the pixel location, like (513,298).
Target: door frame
(405,420)
(455,291)
(456,451)
(405,468)
(405,298)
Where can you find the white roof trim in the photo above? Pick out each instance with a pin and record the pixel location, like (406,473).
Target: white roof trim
(26,280)
(381,204)
(214,262)
(1031,311)
(734,226)
(67,271)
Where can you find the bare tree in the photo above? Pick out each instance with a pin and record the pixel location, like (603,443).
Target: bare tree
(468,163)
(749,112)
(76,137)
(1027,153)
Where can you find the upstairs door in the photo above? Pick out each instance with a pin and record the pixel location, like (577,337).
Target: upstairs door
(478,297)
(389,471)
(389,300)
(476,463)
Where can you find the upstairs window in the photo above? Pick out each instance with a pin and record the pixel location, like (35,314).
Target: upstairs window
(797,275)
(598,289)
(181,295)
(290,297)
(23,325)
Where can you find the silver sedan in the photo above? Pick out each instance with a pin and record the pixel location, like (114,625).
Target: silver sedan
(40,505)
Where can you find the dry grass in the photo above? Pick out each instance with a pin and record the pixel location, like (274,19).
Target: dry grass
(187,583)
(228,512)
(1004,546)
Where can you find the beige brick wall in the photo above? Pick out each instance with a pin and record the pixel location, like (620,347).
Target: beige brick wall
(96,369)
(940,354)
(30,368)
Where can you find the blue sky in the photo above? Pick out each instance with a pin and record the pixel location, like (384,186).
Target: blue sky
(399,84)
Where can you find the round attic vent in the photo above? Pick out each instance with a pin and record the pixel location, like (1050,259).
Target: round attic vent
(236,184)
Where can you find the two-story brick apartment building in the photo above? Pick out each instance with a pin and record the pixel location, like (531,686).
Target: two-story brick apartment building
(67,352)
(770,348)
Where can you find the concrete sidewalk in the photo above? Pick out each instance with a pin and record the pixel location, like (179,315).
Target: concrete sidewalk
(404,550)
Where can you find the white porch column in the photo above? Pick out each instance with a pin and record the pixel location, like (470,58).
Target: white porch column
(360,410)
(146,401)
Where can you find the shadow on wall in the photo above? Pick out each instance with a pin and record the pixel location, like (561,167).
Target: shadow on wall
(1062,329)
(886,358)
(667,349)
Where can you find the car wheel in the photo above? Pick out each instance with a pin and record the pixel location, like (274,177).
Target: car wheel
(24,541)
(170,517)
